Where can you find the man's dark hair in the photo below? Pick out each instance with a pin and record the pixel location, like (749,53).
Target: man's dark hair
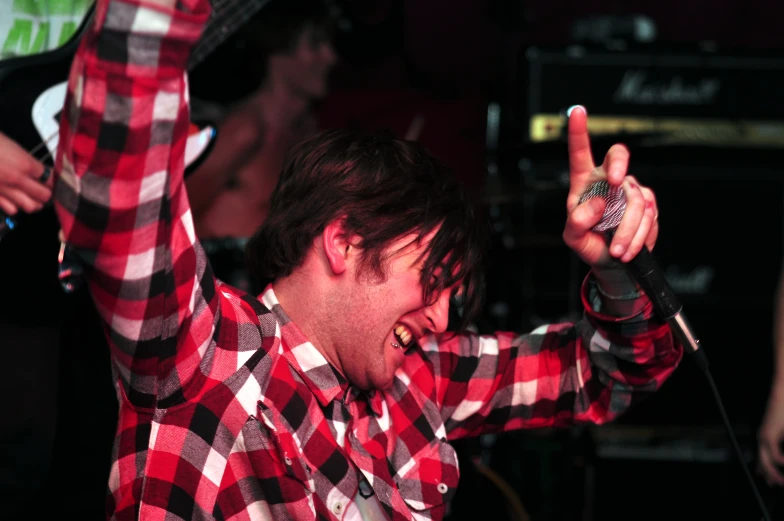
(384,189)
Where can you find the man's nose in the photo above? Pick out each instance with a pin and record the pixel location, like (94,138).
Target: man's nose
(437,313)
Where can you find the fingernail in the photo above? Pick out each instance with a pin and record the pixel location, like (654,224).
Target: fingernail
(570,109)
(617,249)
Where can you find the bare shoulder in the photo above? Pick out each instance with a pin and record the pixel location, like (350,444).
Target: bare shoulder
(242,128)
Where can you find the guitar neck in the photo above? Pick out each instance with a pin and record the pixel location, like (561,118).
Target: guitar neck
(227,16)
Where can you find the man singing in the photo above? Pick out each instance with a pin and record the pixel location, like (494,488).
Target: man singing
(335,393)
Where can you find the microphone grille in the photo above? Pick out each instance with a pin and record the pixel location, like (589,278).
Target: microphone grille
(615,200)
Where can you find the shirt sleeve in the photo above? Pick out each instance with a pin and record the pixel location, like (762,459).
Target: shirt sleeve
(120,197)
(557,375)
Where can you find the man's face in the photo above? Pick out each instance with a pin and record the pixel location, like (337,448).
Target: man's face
(305,69)
(374,317)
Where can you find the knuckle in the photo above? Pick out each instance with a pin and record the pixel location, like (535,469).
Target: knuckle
(637,204)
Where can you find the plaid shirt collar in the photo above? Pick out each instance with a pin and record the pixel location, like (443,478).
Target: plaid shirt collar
(323,379)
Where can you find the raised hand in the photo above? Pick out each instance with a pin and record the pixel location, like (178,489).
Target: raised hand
(639,225)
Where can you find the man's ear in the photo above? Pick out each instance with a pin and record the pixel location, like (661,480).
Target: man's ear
(337,245)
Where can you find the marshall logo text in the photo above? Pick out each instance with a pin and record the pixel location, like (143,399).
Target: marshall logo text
(636,89)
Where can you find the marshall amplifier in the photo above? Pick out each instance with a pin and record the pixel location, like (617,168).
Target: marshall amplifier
(661,98)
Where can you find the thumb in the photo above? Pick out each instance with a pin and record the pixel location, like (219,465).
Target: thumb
(578,236)
(584,217)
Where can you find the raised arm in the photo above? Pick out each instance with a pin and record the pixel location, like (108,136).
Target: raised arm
(120,196)
(590,371)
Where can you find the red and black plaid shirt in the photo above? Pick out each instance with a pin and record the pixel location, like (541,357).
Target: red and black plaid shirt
(227,411)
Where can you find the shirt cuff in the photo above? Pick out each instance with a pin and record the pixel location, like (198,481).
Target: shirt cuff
(642,322)
(147,37)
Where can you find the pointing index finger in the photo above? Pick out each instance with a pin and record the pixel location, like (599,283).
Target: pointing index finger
(580,157)
(581,163)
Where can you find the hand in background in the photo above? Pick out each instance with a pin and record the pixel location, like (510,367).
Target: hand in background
(20,186)
(771,436)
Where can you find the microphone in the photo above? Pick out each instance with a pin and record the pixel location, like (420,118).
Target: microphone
(646,272)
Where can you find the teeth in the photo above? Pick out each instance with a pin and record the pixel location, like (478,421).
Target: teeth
(403,334)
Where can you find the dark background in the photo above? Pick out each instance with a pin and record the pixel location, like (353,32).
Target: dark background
(721,215)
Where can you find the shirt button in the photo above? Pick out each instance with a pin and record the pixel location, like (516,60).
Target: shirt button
(287,460)
(442,488)
(337,508)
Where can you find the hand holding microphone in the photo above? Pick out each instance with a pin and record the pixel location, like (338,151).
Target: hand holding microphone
(644,270)
(638,226)
(613,222)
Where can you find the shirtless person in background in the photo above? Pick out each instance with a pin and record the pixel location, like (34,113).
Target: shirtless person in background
(230,192)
